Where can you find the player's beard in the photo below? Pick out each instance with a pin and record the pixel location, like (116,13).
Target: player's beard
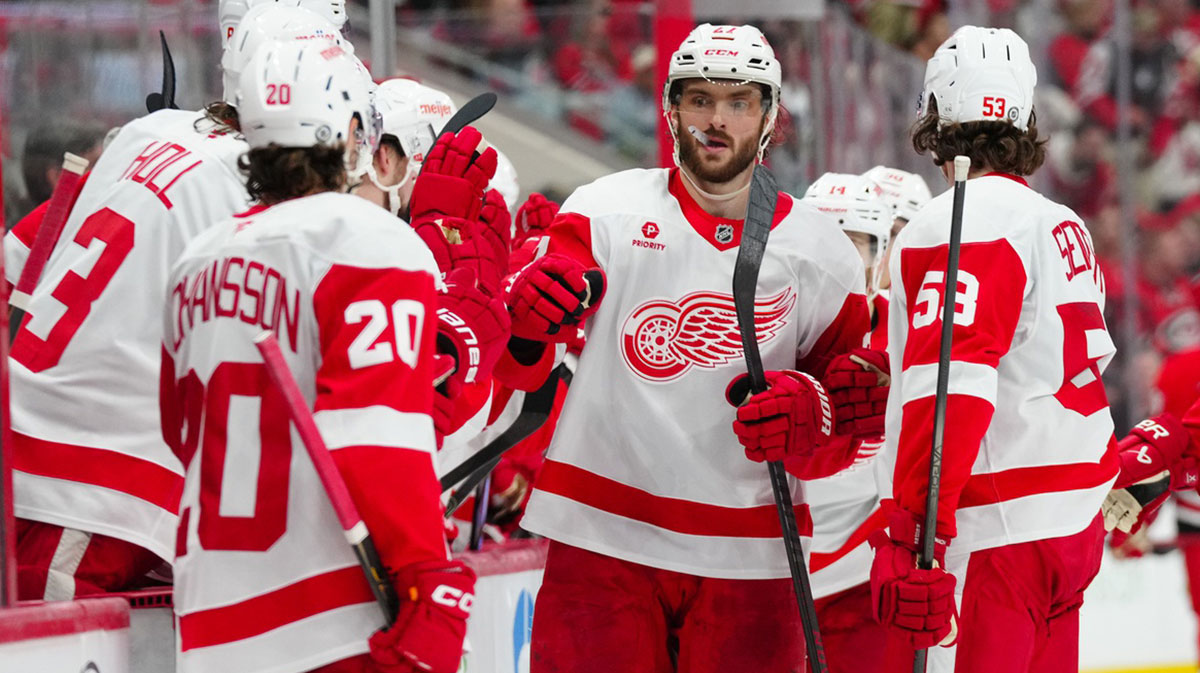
(691,154)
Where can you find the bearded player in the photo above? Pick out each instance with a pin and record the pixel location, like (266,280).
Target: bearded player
(663,529)
(1029,454)
(264,579)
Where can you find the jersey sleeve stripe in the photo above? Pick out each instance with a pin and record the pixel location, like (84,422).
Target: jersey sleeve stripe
(966,378)
(674,514)
(876,521)
(376,426)
(285,605)
(127,474)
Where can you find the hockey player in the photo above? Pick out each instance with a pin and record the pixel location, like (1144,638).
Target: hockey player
(1028,455)
(661,530)
(265,581)
(906,193)
(846,506)
(96,489)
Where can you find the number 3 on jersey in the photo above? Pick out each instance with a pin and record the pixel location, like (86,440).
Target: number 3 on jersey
(406,318)
(928,307)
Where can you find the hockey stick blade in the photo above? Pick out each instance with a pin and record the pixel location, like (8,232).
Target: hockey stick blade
(534,412)
(166,98)
(760,212)
(470,112)
(353,528)
(962,168)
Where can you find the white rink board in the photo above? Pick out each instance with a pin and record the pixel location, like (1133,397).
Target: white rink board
(89,636)
(500,627)
(1137,615)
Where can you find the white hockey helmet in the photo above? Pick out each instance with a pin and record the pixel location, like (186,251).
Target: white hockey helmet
(981,74)
(272,22)
(905,192)
(414,114)
(304,94)
(505,181)
(858,206)
(727,55)
(230,12)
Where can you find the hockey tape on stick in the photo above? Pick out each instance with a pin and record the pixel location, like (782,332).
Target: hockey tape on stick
(335,487)
(471,111)
(962,168)
(166,98)
(760,212)
(61,202)
(535,409)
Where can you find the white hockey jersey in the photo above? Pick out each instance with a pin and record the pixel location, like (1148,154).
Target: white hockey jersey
(87,446)
(644,465)
(846,506)
(264,580)
(1028,452)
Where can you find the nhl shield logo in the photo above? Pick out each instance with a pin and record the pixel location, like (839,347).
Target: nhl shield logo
(724,233)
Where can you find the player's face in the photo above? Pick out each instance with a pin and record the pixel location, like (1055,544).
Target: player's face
(719,127)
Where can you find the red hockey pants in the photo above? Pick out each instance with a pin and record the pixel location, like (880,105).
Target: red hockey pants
(58,564)
(1189,544)
(854,641)
(598,614)
(1019,605)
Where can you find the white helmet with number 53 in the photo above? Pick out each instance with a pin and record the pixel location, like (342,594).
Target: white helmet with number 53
(305,94)
(981,74)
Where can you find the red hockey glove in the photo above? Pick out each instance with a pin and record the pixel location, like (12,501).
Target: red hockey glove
(497,229)
(791,419)
(534,216)
(453,178)
(1156,458)
(472,327)
(446,419)
(858,384)
(435,601)
(552,293)
(919,603)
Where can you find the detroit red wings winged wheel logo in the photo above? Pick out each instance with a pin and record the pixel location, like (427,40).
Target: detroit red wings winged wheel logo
(662,339)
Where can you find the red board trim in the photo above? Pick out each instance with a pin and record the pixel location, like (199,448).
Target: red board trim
(35,619)
(674,514)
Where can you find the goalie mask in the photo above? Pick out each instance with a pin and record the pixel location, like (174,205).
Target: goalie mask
(858,206)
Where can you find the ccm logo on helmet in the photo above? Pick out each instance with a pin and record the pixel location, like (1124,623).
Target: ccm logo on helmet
(720,52)
(453,598)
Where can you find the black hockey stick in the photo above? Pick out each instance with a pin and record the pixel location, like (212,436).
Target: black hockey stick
(962,166)
(759,213)
(166,98)
(535,409)
(471,111)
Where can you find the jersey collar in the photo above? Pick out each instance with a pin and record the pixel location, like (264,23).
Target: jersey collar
(1010,176)
(708,225)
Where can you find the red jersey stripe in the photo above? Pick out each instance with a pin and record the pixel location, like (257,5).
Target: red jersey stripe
(283,606)
(877,521)
(128,474)
(988,489)
(674,514)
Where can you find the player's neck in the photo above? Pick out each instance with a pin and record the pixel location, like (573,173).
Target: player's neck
(723,199)
(367,190)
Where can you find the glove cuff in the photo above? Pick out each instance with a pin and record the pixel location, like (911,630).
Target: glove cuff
(905,529)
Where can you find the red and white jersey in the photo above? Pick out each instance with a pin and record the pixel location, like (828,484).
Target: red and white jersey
(87,445)
(1029,452)
(846,506)
(644,465)
(264,579)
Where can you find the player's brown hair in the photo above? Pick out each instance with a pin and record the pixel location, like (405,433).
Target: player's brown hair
(224,116)
(275,173)
(998,145)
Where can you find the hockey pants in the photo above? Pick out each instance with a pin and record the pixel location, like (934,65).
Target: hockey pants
(58,564)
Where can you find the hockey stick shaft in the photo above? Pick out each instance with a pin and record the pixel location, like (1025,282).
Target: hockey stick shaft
(962,168)
(353,527)
(61,201)
(755,231)
(8,530)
